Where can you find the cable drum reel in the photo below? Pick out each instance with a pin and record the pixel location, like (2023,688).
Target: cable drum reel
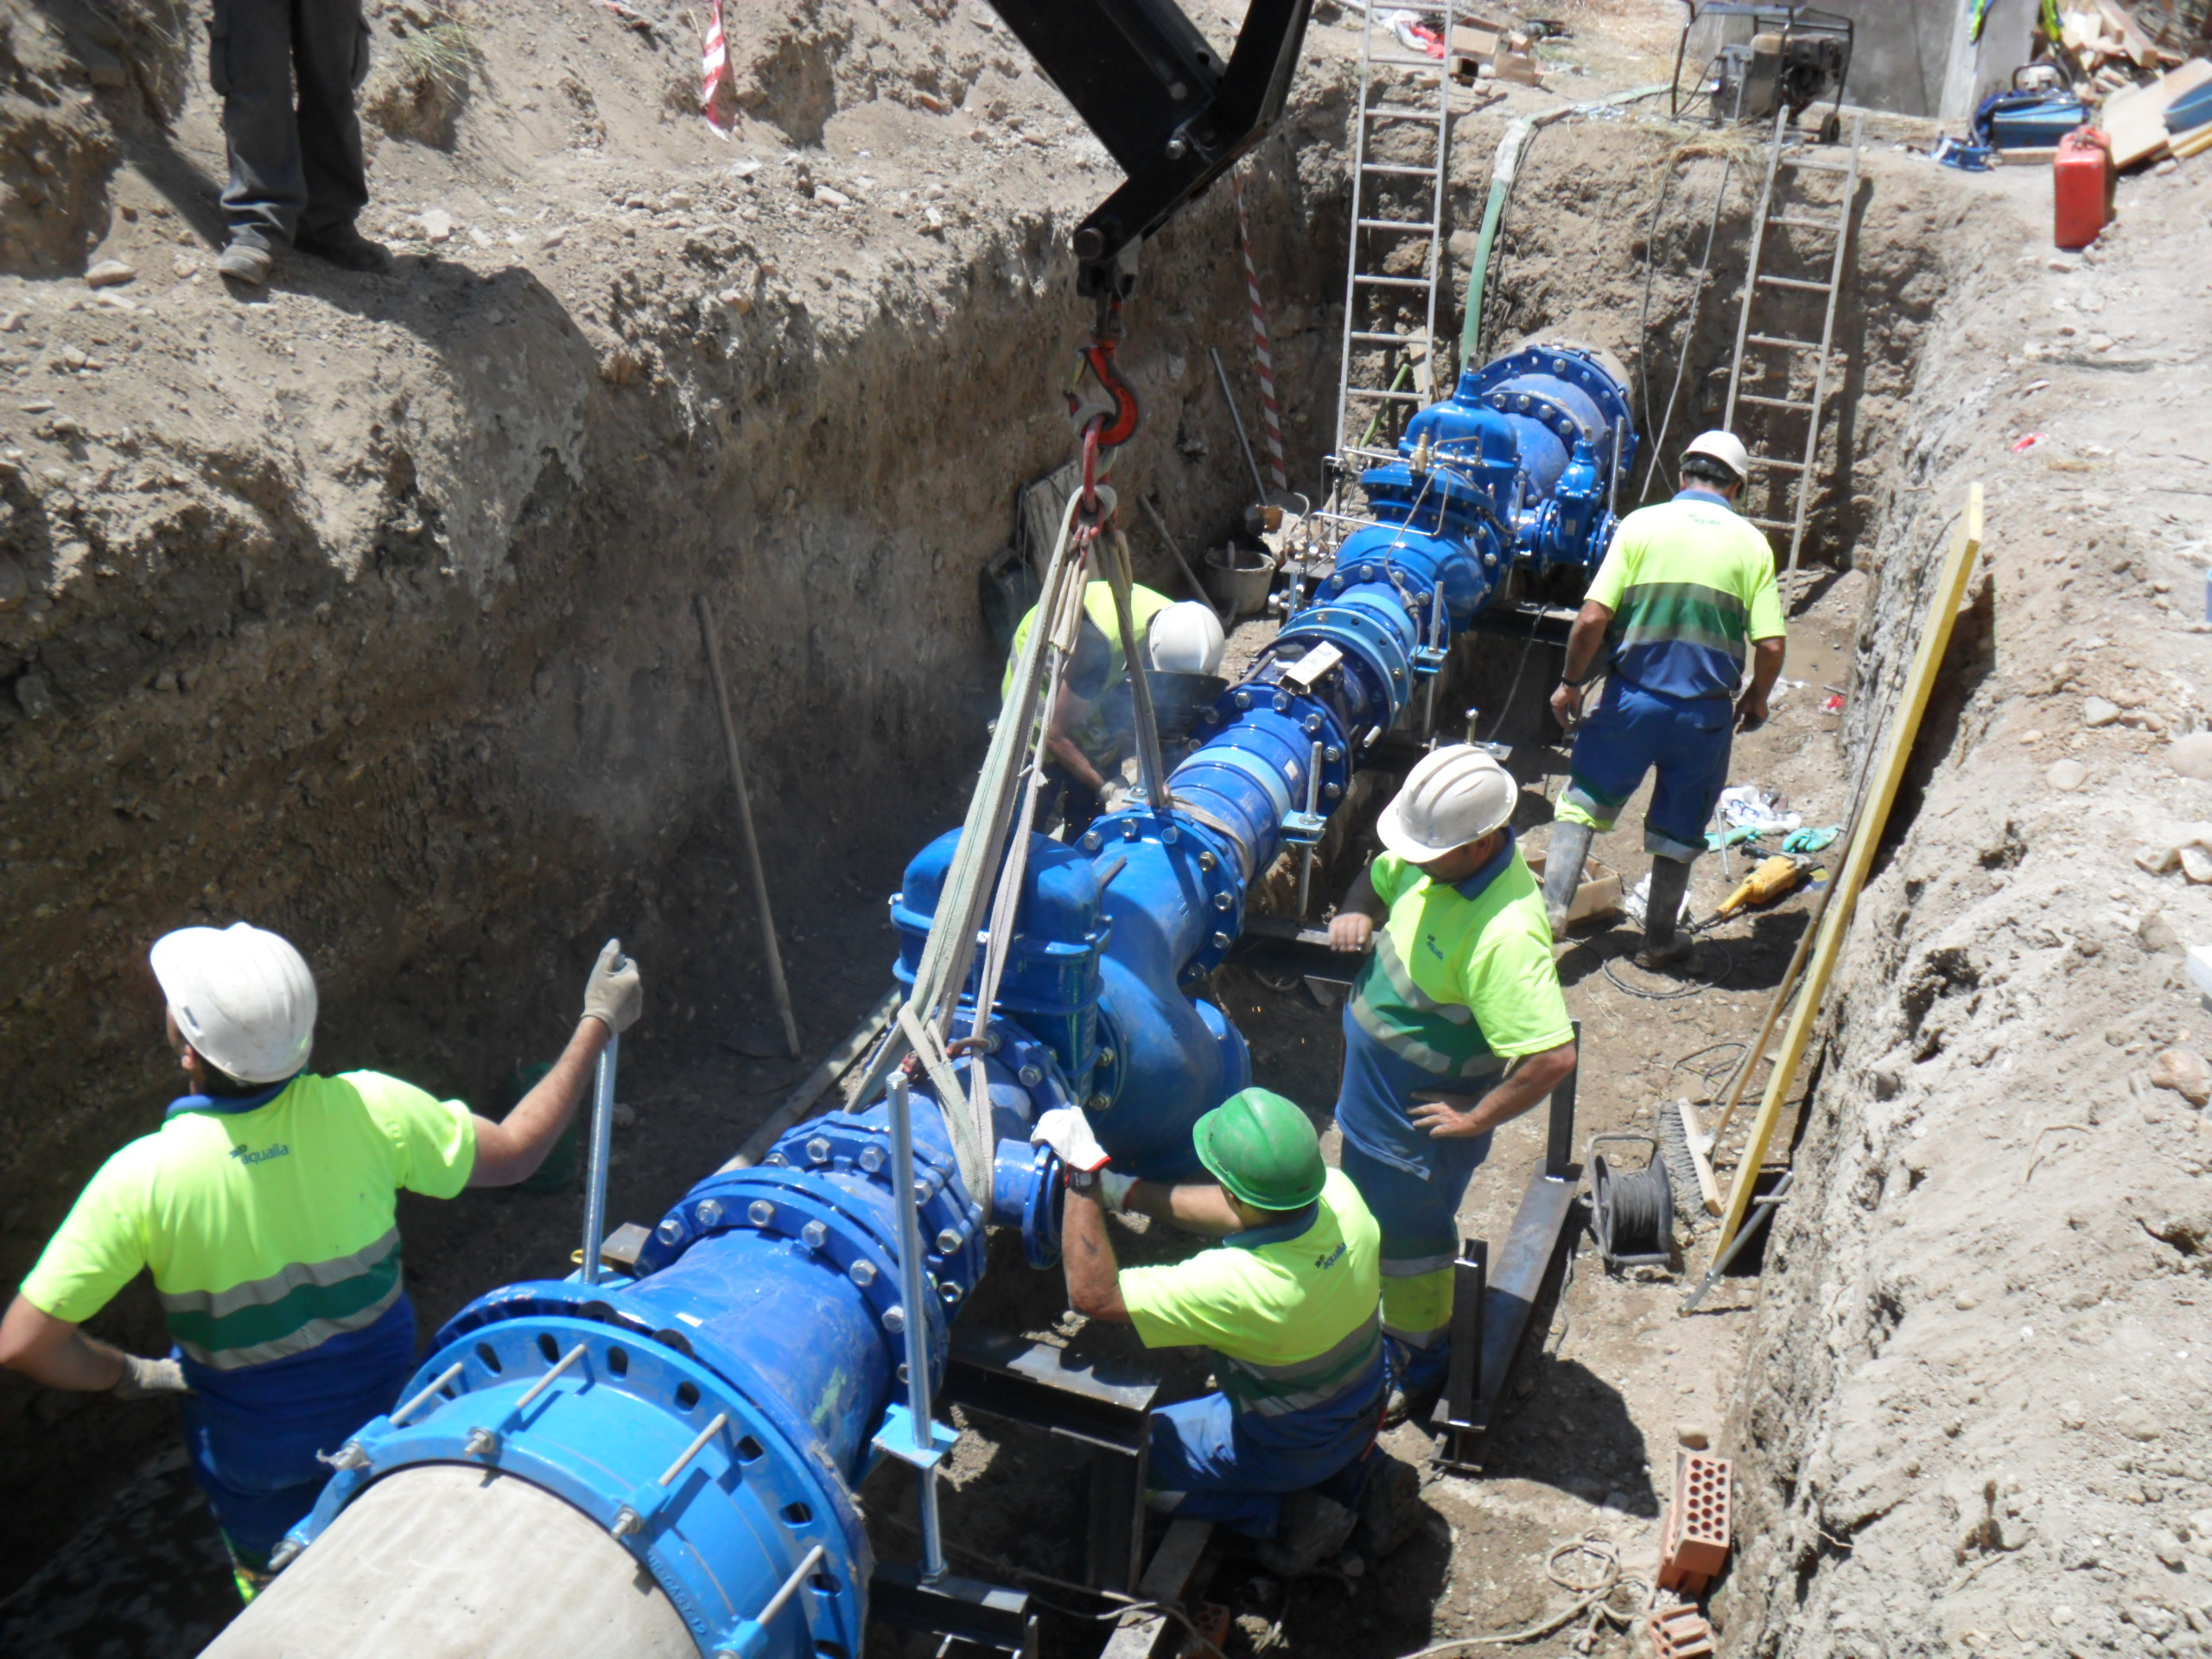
(1631,1212)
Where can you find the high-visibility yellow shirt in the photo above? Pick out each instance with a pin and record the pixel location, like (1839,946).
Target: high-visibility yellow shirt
(1461,980)
(269,1230)
(1291,1311)
(1093,736)
(1689,584)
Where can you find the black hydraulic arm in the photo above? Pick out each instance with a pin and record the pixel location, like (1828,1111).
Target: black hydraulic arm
(1161,99)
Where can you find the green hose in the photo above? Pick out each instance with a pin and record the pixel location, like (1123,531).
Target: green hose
(1502,170)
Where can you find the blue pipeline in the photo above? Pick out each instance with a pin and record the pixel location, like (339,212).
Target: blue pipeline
(763,1331)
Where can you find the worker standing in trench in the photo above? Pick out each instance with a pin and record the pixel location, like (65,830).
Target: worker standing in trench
(1284,1454)
(264,1205)
(1083,741)
(1686,586)
(1456,1025)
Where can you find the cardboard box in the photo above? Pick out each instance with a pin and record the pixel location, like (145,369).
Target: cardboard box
(1599,895)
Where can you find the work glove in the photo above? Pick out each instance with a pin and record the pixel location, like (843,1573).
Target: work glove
(614,995)
(1067,1132)
(1113,1188)
(143,1379)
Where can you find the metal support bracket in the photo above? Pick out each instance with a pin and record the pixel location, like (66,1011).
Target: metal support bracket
(1461,1450)
(1303,828)
(1545,1220)
(896,1438)
(1032,1383)
(1429,659)
(967,1610)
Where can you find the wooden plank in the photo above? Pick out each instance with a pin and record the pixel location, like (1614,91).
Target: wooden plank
(1139,1634)
(2136,121)
(1865,837)
(2134,41)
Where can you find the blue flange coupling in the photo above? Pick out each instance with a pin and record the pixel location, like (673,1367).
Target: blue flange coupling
(702,1487)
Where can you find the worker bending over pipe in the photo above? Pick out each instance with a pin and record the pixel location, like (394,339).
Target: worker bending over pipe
(1085,745)
(1285,1304)
(264,1206)
(1683,588)
(1456,1025)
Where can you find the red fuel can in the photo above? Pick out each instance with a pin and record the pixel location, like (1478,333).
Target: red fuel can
(2081,184)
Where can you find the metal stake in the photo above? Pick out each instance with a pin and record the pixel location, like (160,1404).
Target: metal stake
(1229,398)
(1306,853)
(602,1131)
(1436,638)
(914,1294)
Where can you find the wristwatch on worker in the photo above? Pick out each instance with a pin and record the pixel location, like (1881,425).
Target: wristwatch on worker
(1080,1181)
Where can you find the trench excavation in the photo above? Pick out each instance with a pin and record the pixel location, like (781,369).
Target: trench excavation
(449,699)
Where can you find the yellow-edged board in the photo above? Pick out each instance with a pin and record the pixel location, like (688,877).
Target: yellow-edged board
(1865,837)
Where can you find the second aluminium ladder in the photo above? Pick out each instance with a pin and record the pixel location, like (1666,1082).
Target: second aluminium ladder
(1396,262)
(1832,219)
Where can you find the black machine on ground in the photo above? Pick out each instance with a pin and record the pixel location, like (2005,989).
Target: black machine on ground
(1738,62)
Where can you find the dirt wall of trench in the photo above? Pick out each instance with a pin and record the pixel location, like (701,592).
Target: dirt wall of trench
(364,610)
(1974,1416)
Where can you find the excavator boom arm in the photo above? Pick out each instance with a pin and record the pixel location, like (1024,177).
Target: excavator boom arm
(1168,109)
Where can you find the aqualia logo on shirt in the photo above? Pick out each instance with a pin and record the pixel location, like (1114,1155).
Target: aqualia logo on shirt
(279,1150)
(1332,1258)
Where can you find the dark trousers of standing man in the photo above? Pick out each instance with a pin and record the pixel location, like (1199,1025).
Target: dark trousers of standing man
(296,166)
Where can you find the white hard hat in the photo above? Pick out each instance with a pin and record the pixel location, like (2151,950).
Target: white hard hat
(1724,446)
(1453,796)
(1186,639)
(244,999)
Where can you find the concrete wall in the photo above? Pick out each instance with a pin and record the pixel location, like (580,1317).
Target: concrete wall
(1912,57)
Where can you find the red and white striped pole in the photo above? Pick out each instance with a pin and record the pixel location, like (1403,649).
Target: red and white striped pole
(714,70)
(1269,407)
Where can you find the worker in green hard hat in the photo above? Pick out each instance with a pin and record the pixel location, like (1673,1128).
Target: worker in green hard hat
(1289,1307)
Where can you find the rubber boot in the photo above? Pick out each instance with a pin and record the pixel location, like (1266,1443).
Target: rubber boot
(1390,1509)
(1312,1529)
(1563,870)
(1664,947)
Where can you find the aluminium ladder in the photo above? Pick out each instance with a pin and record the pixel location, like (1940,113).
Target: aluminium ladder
(1399,142)
(1829,219)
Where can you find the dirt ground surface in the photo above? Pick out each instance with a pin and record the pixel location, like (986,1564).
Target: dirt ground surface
(395,574)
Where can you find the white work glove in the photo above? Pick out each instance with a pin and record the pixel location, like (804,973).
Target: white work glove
(1067,1132)
(143,1379)
(1113,1188)
(614,995)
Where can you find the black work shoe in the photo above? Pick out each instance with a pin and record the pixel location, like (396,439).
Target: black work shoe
(1312,1529)
(1390,1509)
(246,261)
(345,247)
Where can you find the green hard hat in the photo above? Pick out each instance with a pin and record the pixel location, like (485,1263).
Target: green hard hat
(1262,1149)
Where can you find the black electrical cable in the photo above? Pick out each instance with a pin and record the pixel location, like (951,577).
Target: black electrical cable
(1695,988)
(1635,1210)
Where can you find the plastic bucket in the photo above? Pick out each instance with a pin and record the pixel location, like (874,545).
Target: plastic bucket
(1239,579)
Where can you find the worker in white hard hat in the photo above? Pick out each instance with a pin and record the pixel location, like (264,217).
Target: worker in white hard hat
(1683,603)
(1455,1026)
(263,1205)
(1084,747)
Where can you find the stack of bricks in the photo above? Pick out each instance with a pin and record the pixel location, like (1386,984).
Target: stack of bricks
(1693,1543)
(1680,1633)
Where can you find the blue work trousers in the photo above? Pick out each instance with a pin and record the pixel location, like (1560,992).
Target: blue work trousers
(252,1434)
(1212,1462)
(1632,731)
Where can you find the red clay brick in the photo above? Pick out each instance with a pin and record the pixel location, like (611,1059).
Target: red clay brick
(1693,1544)
(1679,1633)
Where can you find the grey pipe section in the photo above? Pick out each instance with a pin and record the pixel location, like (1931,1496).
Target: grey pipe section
(444,1561)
